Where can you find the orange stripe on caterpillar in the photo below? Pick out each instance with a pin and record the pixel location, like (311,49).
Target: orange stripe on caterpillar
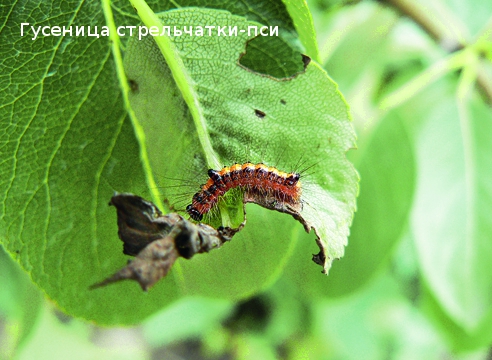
(259,179)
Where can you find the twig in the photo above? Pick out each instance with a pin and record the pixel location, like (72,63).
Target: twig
(443,35)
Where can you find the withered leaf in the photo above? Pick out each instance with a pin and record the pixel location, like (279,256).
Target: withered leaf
(158,240)
(140,222)
(150,265)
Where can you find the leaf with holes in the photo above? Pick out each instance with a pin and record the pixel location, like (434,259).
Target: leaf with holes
(68,144)
(234,112)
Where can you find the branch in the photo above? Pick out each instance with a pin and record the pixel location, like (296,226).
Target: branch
(445,36)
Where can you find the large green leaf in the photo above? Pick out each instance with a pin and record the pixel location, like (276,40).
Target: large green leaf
(376,323)
(65,147)
(457,337)
(68,145)
(225,100)
(450,220)
(278,54)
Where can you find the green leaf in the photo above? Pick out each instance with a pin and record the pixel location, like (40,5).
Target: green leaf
(459,339)
(295,35)
(450,221)
(65,148)
(16,319)
(68,145)
(376,323)
(303,22)
(224,100)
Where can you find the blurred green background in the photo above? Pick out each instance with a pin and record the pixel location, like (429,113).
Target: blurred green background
(416,280)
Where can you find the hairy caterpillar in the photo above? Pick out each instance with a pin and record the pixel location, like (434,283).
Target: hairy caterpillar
(258,179)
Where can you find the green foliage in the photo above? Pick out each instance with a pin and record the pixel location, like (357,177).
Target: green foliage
(445,123)
(387,171)
(415,281)
(297,120)
(453,242)
(57,220)
(20,302)
(191,317)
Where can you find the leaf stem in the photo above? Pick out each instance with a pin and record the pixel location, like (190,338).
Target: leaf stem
(125,89)
(182,79)
(427,77)
(446,34)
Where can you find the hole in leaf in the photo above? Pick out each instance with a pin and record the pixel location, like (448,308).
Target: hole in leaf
(305,60)
(273,56)
(260,113)
(133,85)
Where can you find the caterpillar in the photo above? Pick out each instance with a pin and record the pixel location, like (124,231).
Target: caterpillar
(258,179)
